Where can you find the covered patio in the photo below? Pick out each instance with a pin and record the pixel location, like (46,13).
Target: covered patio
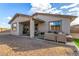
(29,27)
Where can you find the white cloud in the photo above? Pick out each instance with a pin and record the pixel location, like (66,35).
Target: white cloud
(4,22)
(4,25)
(74,13)
(74,9)
(9,18)
(40,7)
(69,6)
(43,8)
(55,11)
(47,8)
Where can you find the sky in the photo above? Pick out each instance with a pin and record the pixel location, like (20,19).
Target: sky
(8,10)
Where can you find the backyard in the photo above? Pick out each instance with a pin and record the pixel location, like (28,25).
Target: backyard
(24,46)
(76,41)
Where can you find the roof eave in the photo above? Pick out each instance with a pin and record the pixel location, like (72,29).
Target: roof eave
(16,16)
(65,16)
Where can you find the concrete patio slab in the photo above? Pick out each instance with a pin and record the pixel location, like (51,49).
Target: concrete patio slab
(24,46)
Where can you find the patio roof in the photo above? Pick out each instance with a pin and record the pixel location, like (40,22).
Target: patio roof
(16,15)
(66,16)
(71,17)
(40,20)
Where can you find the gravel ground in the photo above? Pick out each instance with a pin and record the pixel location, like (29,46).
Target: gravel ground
(23,46)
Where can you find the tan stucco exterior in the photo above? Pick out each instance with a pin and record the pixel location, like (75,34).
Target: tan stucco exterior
(21,19)
(42,27)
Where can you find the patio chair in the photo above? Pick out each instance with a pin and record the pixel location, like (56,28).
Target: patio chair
(69,38)
(41,35)
(50,36)
(61,38)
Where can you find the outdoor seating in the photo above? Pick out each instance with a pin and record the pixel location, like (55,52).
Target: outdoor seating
(69,38)
(50,36)
(61,38)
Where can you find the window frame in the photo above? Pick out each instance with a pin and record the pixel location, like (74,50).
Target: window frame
(55,21)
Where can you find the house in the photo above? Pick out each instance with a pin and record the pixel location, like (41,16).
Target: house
(75,31)
(75,28)
(40,22)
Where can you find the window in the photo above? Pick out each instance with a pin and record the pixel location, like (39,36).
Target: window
(55,25)
(14,26)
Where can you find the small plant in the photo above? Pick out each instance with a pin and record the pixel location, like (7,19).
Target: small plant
(76,41)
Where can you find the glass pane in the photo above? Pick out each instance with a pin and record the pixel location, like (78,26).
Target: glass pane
(55,25)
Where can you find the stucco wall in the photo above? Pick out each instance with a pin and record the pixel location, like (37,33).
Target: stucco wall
(66,26)
(44,27)
(21,29)
(21,19)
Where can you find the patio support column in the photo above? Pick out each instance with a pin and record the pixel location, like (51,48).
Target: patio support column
(11,28)
(18,28)
(66,26)
(32,28)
